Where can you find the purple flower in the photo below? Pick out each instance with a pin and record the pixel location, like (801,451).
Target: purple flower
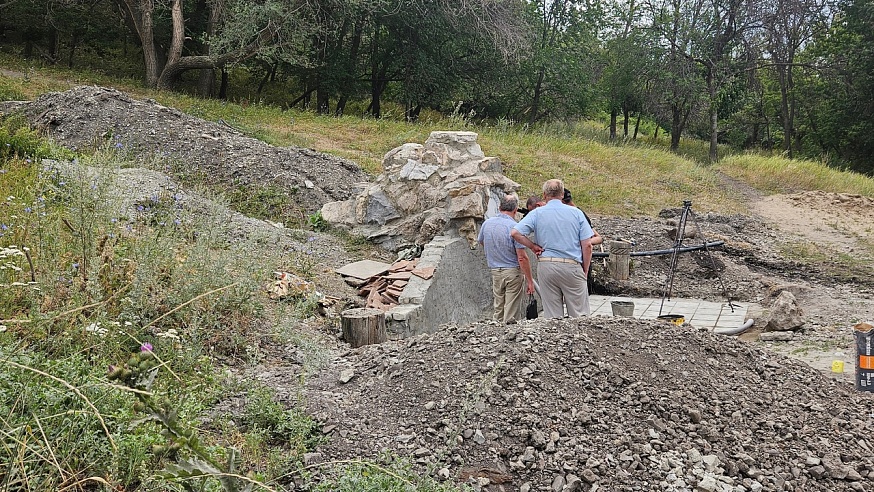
(75,266)
(28,210)
(3,227)
(119,145)
(146,347)
(311,239)
(177,221)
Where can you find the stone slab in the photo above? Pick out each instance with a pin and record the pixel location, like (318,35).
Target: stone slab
(363,269)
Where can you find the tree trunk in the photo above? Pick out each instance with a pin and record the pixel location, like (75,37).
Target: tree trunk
(223,89)
(206,79)
(676,126)
(625,118)
(637,125)
(714,117)
(363,326)
(535,101)
(614,113)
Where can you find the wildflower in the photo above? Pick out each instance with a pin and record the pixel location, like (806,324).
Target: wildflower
(4,227)
(96,329)
(75,266)
(3,328)
(311,239)
(146,347)
(162,223)
(140,208)
(119,145)
(177,221)
(113,220)
(28,210)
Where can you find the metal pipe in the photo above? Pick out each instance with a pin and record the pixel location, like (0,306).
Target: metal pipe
(686,249)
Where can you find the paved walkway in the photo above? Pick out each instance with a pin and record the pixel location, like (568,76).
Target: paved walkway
(704,314)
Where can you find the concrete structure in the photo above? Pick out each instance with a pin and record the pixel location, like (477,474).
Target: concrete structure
(703,314)
(459,292)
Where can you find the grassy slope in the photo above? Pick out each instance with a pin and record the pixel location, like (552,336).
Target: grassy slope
(610,179)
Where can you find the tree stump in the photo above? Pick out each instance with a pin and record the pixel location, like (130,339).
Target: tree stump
(619,260)
(363,326)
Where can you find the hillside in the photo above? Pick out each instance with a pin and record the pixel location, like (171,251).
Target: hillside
(583,404)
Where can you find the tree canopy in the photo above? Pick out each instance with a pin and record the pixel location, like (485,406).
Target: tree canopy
(793,75)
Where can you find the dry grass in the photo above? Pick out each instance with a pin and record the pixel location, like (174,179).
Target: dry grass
(612,179)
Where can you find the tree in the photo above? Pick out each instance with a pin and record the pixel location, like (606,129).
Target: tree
(240,30)
(789,25)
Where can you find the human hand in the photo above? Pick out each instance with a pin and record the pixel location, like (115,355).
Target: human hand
(530,288)
(537,249)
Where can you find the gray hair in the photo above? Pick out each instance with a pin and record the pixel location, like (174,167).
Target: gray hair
(509,203)
(553,188)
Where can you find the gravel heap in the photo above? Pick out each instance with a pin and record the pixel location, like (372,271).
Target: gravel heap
(597,404)
(166,138)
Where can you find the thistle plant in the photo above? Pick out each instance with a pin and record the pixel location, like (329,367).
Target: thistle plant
(192,459)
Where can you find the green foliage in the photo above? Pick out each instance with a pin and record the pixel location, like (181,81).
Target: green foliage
(396,475)
(296,431)
(317,222)
(18,140)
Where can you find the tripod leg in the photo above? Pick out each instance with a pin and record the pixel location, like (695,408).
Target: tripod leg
(675,254)
(712,261)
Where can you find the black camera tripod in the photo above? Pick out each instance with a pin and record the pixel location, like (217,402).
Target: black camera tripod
(678,248)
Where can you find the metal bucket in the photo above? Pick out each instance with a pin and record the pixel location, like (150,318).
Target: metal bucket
(677,319)
(622,308)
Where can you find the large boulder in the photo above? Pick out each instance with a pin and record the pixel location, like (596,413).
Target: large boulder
(785,314)
(446,186)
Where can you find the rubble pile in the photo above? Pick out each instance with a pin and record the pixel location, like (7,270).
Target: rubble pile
(383,291)
(597,404)
(166,138)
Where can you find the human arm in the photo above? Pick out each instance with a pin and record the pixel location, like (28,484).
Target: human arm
(596,239)
(524,241)
(525,266)
(586,245)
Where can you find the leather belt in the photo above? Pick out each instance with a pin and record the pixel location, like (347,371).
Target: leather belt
(558,260)
(504,268)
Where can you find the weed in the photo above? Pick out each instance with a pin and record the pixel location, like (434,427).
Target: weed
(318,223)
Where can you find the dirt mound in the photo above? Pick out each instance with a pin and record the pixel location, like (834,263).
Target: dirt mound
(601,403)
(170,139)
(840,220)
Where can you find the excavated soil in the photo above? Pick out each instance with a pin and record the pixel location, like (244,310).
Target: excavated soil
(563,405)
(168,139)
(598,404)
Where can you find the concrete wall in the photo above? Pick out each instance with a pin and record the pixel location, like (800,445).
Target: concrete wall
(460,290)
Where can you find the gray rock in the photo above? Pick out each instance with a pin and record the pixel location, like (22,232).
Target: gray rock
(785,314)
(346,375)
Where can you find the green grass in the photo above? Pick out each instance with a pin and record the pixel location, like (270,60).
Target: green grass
(780,175)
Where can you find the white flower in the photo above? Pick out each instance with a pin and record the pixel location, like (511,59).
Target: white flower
(96,329)
(2,328)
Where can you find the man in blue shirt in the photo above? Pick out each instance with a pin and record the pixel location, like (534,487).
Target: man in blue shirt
(563,249)
(507,261)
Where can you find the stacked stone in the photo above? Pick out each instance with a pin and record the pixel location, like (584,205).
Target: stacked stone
(446,186)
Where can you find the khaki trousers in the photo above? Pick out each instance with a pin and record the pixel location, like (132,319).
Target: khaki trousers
(563,285)
(507,289)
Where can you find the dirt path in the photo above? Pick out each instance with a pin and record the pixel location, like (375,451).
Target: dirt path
(839,220)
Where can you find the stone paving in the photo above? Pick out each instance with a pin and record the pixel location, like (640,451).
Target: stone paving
(696,312)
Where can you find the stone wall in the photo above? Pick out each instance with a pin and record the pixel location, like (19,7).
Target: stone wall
(446,186)
(434,195)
